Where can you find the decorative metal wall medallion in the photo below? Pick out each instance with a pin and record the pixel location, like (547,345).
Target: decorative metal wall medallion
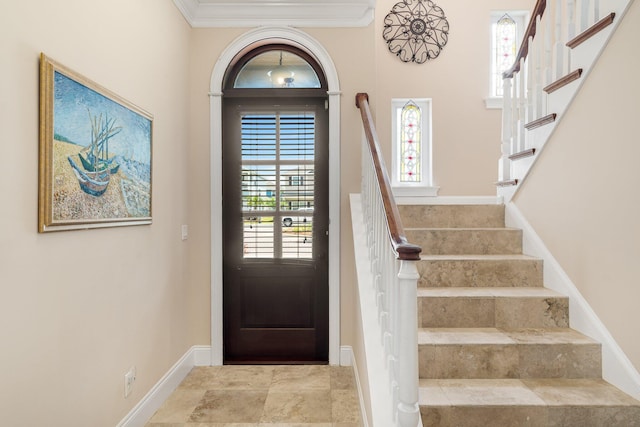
(416,30)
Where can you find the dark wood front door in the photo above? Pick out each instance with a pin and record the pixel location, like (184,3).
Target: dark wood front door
(275,213)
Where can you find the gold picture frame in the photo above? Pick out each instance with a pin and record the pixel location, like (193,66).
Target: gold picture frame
(95,155)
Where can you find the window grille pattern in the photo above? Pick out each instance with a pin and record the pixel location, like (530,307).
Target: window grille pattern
(505,42)
(278,152)
(410,143)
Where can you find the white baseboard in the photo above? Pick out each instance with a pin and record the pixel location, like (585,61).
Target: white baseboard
(346,355)
(616,366)
(144,410)
(346,351)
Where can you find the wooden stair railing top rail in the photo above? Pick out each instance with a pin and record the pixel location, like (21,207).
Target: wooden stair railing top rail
(538,10)
(406,251)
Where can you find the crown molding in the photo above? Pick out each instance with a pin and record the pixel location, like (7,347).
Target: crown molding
(297,13)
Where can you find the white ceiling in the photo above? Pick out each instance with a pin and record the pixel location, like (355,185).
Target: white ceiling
(298,13)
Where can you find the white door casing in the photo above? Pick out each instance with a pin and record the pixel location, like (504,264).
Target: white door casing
(295,37)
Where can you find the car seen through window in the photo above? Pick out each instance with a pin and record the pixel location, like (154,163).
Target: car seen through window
(305,217)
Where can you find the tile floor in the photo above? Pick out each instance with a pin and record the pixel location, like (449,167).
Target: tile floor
(263,396)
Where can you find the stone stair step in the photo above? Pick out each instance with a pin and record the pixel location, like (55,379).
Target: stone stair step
(492,308)
(459,241)
(479,271)
(529,402)
(449,353)
(452,216)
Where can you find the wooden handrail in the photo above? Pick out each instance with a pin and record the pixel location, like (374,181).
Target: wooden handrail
(406,251)
(538,10)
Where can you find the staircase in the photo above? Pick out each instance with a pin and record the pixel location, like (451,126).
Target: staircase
(495,346)
(562,44)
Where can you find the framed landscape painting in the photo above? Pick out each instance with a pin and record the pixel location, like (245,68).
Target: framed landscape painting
(95,154)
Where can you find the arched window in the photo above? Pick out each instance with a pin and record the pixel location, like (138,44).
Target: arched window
(275,67)
(507,29)
(411,145)
(410,140)
(505,42)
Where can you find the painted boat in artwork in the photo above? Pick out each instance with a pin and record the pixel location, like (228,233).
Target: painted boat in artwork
(93,164)
(96,165)
(93,183)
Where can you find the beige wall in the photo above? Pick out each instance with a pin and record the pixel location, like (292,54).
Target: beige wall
(78,308)
(582,197)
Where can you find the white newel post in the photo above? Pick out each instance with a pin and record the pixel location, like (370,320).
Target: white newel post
(408,411)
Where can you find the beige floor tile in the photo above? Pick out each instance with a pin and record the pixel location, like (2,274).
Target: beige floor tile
(229,378)
(298,407)
(221,425)
(178,407)
(342,378)
(303,377)
(344,406)
(263,396)
(200,377)
(230,406)
(295,425)
(217,425)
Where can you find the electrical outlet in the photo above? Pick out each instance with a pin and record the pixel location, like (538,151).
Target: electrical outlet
(185,232)
(129,379)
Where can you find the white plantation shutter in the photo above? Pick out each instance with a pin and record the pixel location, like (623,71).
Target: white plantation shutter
(278,184)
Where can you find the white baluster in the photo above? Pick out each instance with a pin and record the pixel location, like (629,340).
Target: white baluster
(522,106)
(394,367)
(558,47)
(584,14)
(571,17)
(596,11)
(531,80)
(548,59)
(540,68)
(388,289)
(504,164)
(515,105)
(392,305)
(571,30)
(374,238)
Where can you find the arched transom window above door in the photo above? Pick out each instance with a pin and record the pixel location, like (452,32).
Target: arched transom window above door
(276,67)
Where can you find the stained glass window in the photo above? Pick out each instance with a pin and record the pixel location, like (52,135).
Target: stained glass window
(410,143)
(505,49)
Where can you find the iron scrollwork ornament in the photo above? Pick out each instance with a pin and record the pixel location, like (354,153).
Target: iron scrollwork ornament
(416,30)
